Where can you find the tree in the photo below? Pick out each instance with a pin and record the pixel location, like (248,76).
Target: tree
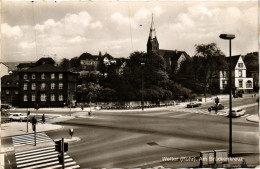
(212,61)
(65,64)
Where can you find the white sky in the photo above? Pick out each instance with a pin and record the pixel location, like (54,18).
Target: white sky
(67,29)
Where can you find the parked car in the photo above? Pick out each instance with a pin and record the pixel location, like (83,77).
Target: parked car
(236,112)
(218,107)
(193,104)
(17,116)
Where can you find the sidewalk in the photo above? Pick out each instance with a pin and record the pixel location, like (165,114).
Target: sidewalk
(20,128)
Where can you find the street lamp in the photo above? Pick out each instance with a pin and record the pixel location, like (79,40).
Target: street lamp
(229,37)
(142,65)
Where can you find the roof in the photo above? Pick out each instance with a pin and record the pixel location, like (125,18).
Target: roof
(108,56)
(12,79)
(234,60)
(87,56)
(47,60)
(4,64)
(45,68)
(25,65)
(175,54)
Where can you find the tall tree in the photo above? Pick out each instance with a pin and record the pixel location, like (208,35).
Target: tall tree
(212,59)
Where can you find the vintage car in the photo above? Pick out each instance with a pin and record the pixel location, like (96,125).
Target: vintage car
(236,112)
(193,104)
(17,116)
(218,107)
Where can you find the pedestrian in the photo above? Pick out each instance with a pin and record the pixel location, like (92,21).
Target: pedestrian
(89,113)
(82,107)
(43,119)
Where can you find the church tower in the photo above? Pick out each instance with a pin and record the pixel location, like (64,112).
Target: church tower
(152,43)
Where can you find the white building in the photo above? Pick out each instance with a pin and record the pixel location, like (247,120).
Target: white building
(3,70)
(239,79)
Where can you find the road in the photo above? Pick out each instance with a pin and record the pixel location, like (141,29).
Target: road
(136,138)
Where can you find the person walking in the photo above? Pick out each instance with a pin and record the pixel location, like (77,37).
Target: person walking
(43,119)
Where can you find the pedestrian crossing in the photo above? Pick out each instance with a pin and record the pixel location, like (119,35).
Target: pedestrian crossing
(188,110)
(28,139)
(43,158)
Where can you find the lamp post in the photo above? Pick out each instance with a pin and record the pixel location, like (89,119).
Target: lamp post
(229,37)
(142,65)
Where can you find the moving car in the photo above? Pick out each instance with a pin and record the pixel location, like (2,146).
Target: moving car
(18,116)
(219,107)
(236,112)
(193,104)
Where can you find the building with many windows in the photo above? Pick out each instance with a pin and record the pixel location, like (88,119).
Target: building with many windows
(240,81)
(10,89)
(47,86)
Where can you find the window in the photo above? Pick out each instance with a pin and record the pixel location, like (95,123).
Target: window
(43,97)
(60,85)
(33,76)
(25,86)
(25,98)
(60,97)
(7,92)
(43,85)
(53,76)
(52,86)
(33,86)
(240,73)
(8,83)
(60,76)
(249,84)
(33,98)
(25,76)
(16,92)
(17,83)
(240,83)
(240,65)
(53,97)
(43,76)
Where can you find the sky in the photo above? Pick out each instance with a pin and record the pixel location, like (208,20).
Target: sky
(68,29)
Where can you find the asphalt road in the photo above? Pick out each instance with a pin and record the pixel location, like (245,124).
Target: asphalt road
(136,138)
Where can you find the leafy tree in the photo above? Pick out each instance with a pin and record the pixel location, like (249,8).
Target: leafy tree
(212,61)
(65,64)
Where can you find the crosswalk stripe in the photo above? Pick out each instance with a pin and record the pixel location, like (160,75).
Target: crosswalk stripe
(251,115)
(43,158)
(245,115)
(50,163)
(30,135)
(46,148)
(21,144)
(36,154)
(29,139)
(35,163)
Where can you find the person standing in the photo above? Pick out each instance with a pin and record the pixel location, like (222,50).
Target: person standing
(43,118)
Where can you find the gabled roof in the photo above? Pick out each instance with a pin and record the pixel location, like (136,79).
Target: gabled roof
(234,60)
(108,56)
(45,68)
(87,56)
(175,54)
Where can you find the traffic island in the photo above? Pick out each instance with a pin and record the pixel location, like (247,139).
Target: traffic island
(253,118)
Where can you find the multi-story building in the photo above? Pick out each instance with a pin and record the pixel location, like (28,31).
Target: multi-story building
(10,89)
(240,82)
(47,86)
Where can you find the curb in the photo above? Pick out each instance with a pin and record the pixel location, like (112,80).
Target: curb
(252,120)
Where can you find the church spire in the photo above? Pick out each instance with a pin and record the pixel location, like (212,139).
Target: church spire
(152,30)
(152,44)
